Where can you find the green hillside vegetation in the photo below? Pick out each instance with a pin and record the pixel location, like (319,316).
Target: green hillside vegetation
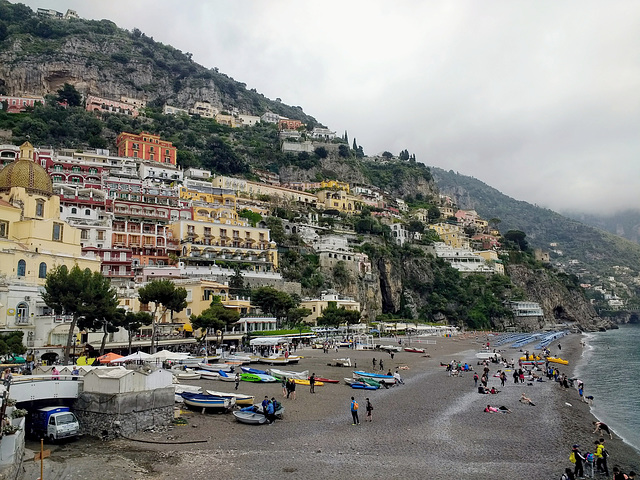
(596,250)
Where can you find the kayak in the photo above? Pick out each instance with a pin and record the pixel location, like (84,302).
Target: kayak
(558,360)
(414,350)
(326,380)
(255,377)
(300,381)
(363,386)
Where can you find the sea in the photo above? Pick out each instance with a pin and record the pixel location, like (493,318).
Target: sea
(609,368)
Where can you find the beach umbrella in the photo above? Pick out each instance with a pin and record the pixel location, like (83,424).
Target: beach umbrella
(138,356)
(109,357)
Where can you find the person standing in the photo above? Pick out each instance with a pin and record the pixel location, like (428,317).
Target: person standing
(237,380)
(354,411)
(475,380)
(271,410)
(264,404)
(369,409)
(312,383)
(503,378)
(578,470)
(381,365)
(55,374)
(285,387)
(292,388)
(374,363)
(75,372)
(601,455)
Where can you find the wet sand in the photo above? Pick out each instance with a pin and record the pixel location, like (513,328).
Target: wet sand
(431,427)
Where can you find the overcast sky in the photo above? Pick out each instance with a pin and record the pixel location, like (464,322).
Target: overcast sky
(540,100)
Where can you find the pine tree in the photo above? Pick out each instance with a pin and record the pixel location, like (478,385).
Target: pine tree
(355,145)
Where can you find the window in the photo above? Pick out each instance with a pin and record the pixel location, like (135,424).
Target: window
(151,156)
(39,208)
(22,313)
(22,268)
(57,232)
(42,270)
(4,229)
(74,210)
(87,212)
(101,235)
(84,234)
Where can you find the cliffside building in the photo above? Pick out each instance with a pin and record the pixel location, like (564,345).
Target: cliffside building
(146,146)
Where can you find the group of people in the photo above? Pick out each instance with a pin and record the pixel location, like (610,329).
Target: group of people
(288,388)
(269,408)
(354,407)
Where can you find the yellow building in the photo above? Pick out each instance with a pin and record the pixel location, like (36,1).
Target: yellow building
(338,200)
(33,240)
(491,257)
(335,185)
(318,305)
(204,243)
(256,189)
(452,235)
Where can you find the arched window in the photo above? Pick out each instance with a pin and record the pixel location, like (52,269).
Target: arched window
(22,268)
(39,208)
(87,212)
(74,210)
(42,270)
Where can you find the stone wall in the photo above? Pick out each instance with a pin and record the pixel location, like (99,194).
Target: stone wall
(108,416)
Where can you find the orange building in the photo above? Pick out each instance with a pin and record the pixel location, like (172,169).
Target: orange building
(146,146)
(288,124)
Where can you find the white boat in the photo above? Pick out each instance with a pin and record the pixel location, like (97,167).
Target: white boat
(179,388)
(274,360)
(214,367)
(226,377)
(390,348)
(187,374)
(241,399)
(208,375)
(342,362)
(250,418)
(239,358)
(288,374)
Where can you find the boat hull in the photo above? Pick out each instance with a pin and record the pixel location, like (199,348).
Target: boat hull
(250,418)
(207,401)
(241,399)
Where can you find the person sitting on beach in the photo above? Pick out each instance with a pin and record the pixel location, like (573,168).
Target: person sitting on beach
(482,389)
(501,409)
(494,391)
(398,377)
(602,427)
(527,400)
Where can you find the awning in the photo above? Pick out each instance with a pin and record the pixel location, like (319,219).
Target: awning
(187,327)
(267,341)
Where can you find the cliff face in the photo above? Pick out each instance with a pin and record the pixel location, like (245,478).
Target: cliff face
(559,303)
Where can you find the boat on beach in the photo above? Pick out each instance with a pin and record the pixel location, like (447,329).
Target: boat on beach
(326,380)
(414,350)
(253,370)
(390,348)
(199,400)
(342,362)
(369,381)
(241,398)
(363,386)
(225,376)
(280,374)
(250,418)
(304,381)
(214,367)
(558,360)
(186,374)
(256,377)
(388,379)
(207,375)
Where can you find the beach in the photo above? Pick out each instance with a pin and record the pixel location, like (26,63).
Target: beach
(433,426)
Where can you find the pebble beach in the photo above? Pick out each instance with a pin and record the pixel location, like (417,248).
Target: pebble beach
(433,426)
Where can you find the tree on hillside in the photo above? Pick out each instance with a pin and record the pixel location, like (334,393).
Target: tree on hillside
(162,293)
(517,238)
(385,154)
(343,151)
(346,137)
(107,321)
(321,152)
(69,94)
(433,213)
(355,145)
(66,293)
(273,302)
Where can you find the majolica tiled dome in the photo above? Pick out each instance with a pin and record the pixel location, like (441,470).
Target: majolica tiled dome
(24,172)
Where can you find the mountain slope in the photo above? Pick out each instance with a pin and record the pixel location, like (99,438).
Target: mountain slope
(596,250)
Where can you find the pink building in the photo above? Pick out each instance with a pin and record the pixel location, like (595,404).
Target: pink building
(97,104)
(20,104)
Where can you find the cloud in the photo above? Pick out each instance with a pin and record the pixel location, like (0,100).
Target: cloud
(540,100)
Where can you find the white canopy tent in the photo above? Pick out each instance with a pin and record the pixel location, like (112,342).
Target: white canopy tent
(163,355)
(267,341)
(134,357)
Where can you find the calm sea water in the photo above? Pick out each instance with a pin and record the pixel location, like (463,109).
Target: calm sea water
(609,368)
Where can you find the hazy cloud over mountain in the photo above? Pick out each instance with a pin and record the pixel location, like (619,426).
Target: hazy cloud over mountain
(538,99)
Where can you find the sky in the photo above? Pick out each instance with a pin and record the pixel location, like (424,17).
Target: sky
(540,100)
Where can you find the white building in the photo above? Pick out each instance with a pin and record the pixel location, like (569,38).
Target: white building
(270,117)
(462,259)
(248,120)
(197,173)
(159,172)
(169,110)
(321,133)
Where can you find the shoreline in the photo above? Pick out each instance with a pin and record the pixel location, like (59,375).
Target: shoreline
(434,426)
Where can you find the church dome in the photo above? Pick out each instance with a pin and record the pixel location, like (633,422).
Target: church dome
(24,172)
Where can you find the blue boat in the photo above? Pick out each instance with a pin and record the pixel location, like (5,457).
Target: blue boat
(388,379)
(363,386)
(207,401)
(253,370)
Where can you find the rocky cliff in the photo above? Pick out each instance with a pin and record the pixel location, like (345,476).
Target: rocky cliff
(559,303)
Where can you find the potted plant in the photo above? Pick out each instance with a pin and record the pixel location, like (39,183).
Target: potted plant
(11,402)
(19,413)
(9,429)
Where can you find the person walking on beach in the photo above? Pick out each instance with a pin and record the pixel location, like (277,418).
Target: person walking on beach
(381,365)
(369,409)
(285,387)
(374,363)
(602,427)
(601,455)
(475,380)
(578,458)
(503,378)
(292,388)
(354,411)
(237,380)
(312,383)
